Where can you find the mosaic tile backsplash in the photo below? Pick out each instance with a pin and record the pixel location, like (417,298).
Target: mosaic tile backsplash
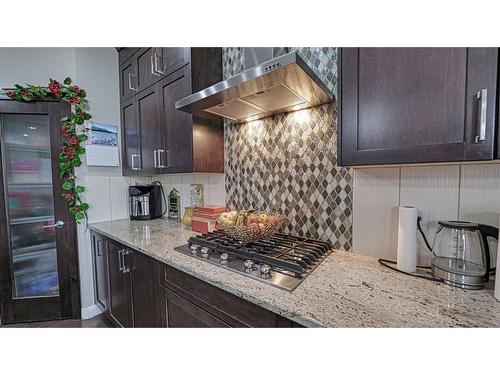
(288,162)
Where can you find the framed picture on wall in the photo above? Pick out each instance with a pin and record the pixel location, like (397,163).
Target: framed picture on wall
(102,145)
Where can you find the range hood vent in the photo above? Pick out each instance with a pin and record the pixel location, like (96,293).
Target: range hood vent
(282,84)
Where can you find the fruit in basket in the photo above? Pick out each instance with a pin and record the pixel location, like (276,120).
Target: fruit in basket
(270,219)
(225,217)
(242,217)
(253,219)
(263,218)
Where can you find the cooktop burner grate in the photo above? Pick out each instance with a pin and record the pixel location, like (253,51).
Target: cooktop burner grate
(290,258)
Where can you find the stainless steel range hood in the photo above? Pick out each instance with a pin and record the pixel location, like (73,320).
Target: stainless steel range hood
(282,84)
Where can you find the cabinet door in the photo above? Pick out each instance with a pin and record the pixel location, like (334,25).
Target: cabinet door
(148,119)
(173,58)
(145,290)
(120,296)
(148,62)
(131,137)
(180,313)
(177,125)
(128,80)
(406,105)
(125,53)
(100,270)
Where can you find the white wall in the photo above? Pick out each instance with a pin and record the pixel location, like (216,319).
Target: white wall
(449,192)
(35,65)
(96,71)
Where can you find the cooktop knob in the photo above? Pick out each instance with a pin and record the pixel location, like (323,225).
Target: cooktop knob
(204,252)
(265,271)
(223,258)
(194,249)
(249,265)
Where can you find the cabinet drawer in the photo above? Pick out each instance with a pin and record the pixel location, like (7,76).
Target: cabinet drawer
(183,314)
(231,309)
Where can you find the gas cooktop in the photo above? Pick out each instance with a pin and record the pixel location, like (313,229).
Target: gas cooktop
(283,260)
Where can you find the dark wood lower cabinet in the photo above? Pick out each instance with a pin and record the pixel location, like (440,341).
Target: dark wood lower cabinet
(120,296)
(209,305)
(180,313)
(144,292)
(100,265)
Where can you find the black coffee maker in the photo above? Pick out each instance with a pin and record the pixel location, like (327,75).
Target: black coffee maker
(146,201)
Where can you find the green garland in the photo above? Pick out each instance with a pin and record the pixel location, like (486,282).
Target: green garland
(72,129)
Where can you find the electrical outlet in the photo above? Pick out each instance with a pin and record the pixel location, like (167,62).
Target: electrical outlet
(424,214)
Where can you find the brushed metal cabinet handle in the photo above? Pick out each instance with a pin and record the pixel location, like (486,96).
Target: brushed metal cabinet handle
(99,249)
(120,263)
(153,66)
(126,269)
(160,153)
(133,156)
(156,58)
(130,75)
(483,107)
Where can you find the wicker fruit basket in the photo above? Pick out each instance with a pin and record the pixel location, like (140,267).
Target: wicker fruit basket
(247,230)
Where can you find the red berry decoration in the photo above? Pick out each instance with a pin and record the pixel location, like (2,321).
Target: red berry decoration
(72,129)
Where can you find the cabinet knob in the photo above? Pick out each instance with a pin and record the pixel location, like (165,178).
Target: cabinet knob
(194,249)
(204,252)
(223,258)
(265,271)
(249,264)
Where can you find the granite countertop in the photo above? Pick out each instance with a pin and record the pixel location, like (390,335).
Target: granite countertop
(345,290)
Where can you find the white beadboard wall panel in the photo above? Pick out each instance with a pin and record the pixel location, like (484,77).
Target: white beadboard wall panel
(480,194)
(376,198)
(480,197)
(435,189)
(118,193)
(465,192)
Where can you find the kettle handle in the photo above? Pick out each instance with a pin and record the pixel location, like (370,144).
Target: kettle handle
(488,231)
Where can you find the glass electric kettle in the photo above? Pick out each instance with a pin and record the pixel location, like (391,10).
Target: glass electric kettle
(461,253)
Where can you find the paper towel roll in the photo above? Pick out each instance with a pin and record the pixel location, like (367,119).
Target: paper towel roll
(497,273)
(407,239)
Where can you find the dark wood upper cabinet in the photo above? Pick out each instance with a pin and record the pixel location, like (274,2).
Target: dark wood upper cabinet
(131,136)
(148,61)
(411,105)
(177,125)
(148,120)
(125,53)
(173,58)
(157,138)
(128,80)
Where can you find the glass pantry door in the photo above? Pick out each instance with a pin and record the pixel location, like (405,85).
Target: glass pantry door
(28,185)
(38,257)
